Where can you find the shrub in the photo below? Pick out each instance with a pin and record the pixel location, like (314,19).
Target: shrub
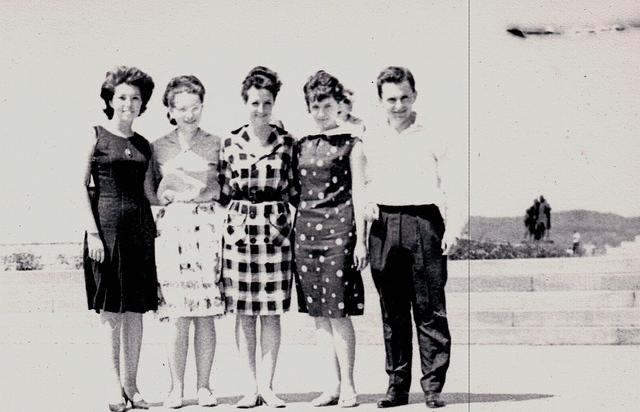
(22,261)
(74,261)
(474,249)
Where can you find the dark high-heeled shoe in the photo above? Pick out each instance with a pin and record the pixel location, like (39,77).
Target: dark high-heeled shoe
(139,404)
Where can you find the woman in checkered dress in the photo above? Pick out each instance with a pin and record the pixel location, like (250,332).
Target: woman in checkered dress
(257,182)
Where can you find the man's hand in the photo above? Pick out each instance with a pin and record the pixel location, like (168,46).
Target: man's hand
(448,241)
(161,300)
(371,212)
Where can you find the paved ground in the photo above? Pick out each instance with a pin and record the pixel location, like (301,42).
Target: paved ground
(61,377)
(48,359)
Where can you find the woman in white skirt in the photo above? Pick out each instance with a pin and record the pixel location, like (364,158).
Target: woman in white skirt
(183,180)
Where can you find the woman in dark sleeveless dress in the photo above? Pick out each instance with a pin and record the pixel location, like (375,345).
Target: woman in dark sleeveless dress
(119,261)
(330,247)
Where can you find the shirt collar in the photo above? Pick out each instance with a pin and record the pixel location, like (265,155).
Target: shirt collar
(276,138)
(414,127)
(175,138)
(328,134)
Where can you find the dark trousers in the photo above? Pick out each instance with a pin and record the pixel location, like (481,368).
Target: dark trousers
(410,272)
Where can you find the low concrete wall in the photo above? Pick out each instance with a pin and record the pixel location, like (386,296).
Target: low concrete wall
(526,301)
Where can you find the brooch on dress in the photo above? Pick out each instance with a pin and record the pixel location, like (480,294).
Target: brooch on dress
(128,153)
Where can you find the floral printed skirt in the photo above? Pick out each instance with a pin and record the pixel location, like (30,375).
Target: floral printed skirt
(188,257)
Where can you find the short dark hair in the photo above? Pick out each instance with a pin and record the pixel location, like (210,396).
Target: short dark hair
(261,77)
(182,84)
(321,86)
(131,76)
(395,74)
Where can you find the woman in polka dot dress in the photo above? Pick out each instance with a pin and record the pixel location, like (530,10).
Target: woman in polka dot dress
(330,237)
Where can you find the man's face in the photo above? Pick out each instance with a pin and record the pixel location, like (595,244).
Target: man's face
(397,100)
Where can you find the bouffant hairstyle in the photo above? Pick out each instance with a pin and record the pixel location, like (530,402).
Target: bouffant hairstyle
(131,76)
(181,84)
(395,74)
(261,77)
(321,86)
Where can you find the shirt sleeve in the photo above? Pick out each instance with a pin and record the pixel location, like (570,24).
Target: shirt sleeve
(451,184)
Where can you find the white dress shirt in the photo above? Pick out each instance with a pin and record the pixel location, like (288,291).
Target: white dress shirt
(409,168)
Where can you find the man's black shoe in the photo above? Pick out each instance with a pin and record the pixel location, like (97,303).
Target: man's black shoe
(433,400)
(389,401)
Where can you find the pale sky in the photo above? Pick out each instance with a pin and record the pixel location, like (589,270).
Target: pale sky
(557,116)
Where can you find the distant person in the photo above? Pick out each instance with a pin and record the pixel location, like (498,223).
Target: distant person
(545,213)
(184,181)
(530,220)
(537,225)
(576,243)
(119,260)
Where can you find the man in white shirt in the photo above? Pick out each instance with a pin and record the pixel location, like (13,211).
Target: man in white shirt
(408,209)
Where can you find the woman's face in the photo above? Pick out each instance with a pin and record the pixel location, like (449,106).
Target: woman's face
(186,110)
(325,112)
(126,102)
(259,105)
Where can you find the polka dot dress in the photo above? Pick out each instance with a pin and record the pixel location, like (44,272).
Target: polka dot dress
(327,282)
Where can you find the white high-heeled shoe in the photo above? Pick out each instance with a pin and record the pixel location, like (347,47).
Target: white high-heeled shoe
(270,399)
(350,402)
(173,401)
(325,399)
(249,401)
(206,397)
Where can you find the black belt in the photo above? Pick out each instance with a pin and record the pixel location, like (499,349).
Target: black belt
(255,209)
(257,198)
(413,210)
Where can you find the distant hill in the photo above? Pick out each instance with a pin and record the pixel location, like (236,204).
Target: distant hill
(594,227)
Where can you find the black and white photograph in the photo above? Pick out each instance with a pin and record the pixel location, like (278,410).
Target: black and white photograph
(311,205)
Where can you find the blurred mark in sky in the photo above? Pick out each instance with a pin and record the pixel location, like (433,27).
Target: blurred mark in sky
(523,32)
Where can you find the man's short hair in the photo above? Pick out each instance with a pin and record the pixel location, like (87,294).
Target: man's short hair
(395,74)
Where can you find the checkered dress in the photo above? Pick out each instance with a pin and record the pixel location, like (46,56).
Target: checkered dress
(257,255)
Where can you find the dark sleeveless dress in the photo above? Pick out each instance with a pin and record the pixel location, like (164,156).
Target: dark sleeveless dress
(126,280)
(327,282)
